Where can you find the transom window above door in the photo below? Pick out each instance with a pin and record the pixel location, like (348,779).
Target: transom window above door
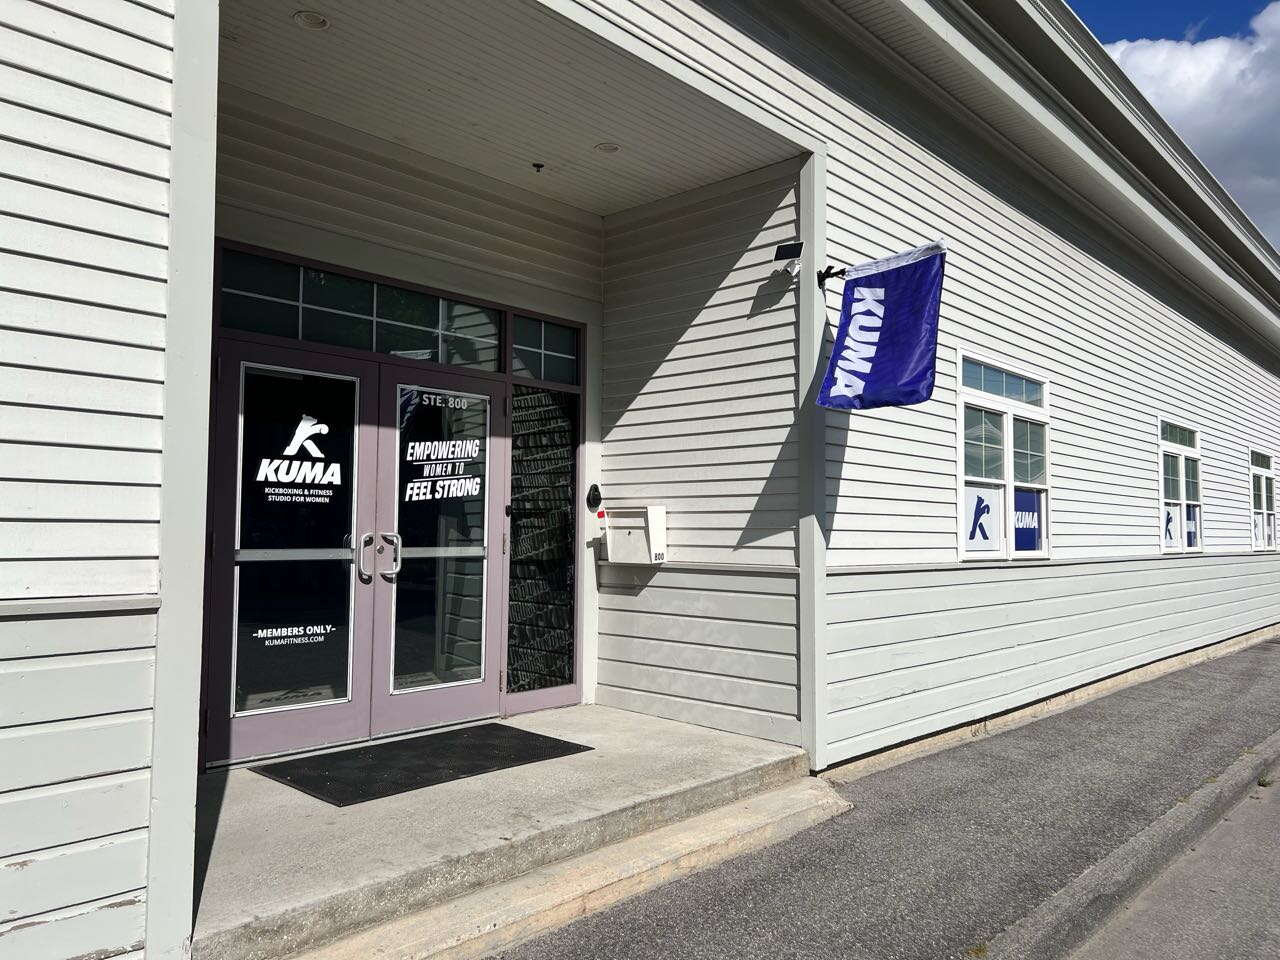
(264,295)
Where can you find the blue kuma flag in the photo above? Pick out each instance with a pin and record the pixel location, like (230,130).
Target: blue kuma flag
(887,342)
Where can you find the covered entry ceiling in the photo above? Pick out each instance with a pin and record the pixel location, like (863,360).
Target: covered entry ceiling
(495,86)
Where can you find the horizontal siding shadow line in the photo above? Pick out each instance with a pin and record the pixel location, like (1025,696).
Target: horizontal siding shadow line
(775,401)
(77,228)
(97,305)
(700,329)
(114,377)
(683,698)
(688,310)
(1023,694)
(56,559)
(87,88)
(90,124)
(732,343)
(666,378)
(79,264)
(1039,663)
(683,615)
(81,482)
(635,307)
(96,54)
(1016,573)
(1068,591)
(766,445)
(1035,602)
(104,715)
(780,655)
(81,338)
(95,411)
(751,254)
(713,674)
(708,468)
(95,161)
(1016,645)
(122,30)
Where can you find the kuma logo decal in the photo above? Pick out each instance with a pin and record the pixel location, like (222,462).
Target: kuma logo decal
(286,469)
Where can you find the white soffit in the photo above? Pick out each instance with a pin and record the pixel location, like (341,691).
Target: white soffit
(495,86)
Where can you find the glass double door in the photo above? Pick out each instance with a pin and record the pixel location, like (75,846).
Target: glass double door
(359,550)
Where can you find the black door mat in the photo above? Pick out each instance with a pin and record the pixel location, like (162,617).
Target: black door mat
(379,770)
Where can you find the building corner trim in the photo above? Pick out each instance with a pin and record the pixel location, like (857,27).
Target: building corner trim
(184,466)
(811,428)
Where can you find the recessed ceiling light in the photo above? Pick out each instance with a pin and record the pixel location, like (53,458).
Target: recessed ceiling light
(608,147)
(311,20)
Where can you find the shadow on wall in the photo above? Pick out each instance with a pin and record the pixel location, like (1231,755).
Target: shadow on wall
(700,366)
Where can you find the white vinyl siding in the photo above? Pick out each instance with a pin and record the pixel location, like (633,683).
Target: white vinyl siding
(711,647)
(699,368)
(1034,278)
(1120,345)
(84,200)
(912,653)
(699,407)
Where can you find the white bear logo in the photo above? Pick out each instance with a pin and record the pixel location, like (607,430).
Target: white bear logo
(308,427)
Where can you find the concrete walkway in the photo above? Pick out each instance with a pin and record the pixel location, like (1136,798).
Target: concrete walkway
(940,855)
(280,871)
(1219,901)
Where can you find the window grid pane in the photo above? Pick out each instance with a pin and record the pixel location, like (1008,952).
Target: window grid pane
(545,350)
(1260,460)
(1028,451)
(983,444)
(312,304)
(1192,473)
(989,379)
(1172,477)
(1172,433)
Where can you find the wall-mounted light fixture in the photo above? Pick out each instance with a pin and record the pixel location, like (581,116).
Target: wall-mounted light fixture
(789,253)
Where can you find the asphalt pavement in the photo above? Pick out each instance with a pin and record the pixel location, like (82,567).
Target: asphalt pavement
(941,854)
(1218,901)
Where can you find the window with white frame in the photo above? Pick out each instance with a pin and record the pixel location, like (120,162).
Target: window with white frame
(1004,459)
(1263,494)
(1180,511)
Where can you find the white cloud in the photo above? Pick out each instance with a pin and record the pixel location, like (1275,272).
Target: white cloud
(1222,95)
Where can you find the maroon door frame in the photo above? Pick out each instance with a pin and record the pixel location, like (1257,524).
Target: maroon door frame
(214,744)
(468,700)
(229,737)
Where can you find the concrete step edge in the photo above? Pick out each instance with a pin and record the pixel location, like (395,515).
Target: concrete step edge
(507,914)
(327,919)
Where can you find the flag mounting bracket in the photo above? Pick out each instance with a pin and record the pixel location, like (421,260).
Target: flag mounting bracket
(828,273)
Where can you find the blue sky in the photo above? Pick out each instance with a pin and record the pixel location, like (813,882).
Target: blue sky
(1170,19)
(1212,69)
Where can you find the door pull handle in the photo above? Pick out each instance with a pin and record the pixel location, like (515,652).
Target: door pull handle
(366,542)
(397,554)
